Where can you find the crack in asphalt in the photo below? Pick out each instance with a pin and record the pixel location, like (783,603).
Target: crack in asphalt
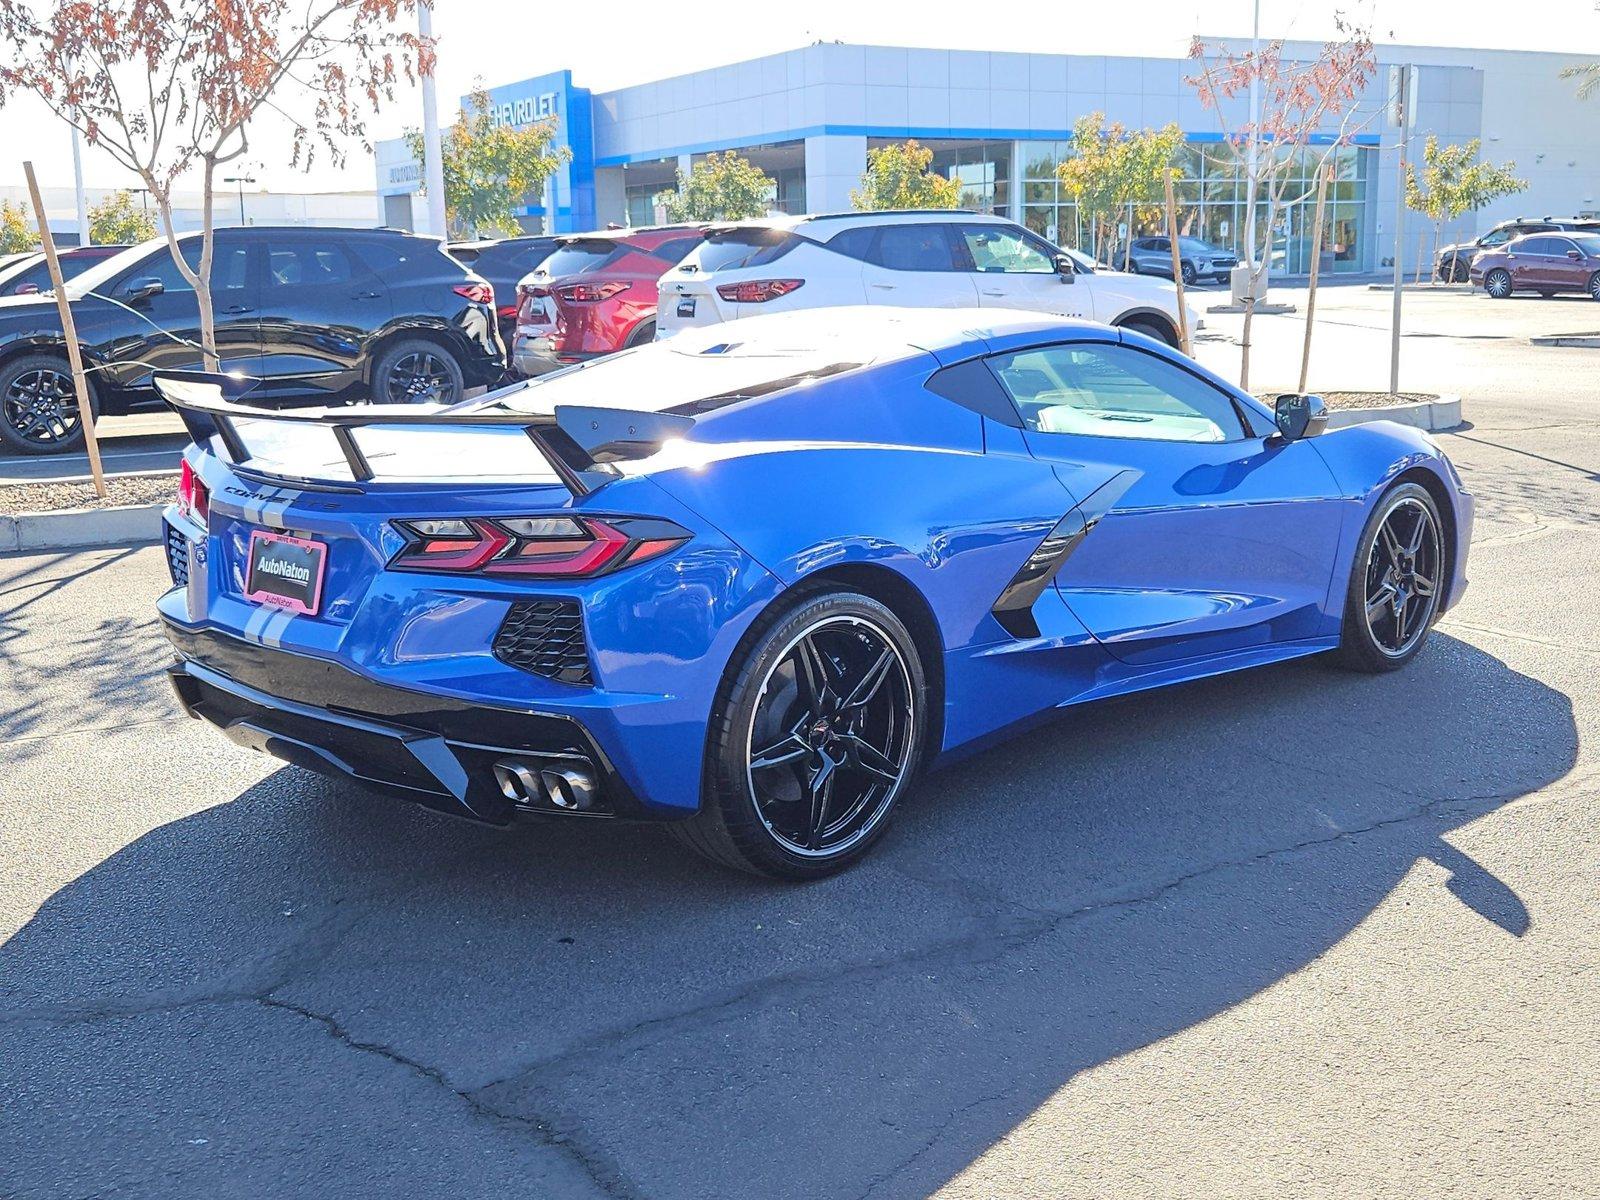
(596,1166)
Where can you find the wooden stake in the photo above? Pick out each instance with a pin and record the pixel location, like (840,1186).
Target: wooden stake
(1177,270)
(1316,263)
(70,331)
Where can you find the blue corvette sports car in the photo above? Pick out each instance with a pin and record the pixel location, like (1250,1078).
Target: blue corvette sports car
(750,580)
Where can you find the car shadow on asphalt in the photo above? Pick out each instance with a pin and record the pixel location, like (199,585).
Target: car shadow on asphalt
(671,1030)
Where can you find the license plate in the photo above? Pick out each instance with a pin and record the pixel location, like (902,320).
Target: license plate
(686,307)
(285,571)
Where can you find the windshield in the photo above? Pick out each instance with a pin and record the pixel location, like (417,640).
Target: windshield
(1189,243)
(1589,243)
(102,273)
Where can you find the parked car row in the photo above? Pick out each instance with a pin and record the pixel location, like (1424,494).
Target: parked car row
(345,315)
(1546,263)
(602,292)
(1454,263)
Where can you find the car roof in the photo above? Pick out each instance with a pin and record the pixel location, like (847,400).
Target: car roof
(628,233)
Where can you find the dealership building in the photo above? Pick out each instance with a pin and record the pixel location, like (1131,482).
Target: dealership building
(1001,122)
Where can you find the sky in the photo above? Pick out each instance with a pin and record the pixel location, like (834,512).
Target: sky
(628,42)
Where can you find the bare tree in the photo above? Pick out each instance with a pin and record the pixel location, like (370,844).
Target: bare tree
(1298,99)
(167,87)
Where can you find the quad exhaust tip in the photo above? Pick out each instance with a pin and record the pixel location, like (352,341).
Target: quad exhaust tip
(565,788)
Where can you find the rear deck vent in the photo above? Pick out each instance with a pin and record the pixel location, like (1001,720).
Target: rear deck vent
(545,638)
(178,557)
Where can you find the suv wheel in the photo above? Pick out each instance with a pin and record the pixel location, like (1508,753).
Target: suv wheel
(1162,331)
(417,372)
(1188,272)
(38,406)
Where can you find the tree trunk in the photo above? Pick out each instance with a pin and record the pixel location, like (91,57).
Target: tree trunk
(1244,342)
(202,287)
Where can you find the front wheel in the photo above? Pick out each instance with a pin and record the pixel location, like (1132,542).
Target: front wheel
(1594,286)
(417,372)
(815,736)
(1460,273)
(1498,283)
(1394,583)
(1188,272)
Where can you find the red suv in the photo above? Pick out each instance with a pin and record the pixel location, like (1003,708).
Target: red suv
(596,294)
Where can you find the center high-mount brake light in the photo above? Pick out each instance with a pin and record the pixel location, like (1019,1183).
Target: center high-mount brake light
(758,291)
(590,293)
(478,293)
(194,498)
(552,547)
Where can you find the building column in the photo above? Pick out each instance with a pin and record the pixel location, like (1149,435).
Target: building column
(834,166)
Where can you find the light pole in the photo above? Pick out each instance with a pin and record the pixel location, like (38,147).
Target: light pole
(432,157)
(77,187)
(241,180)
(1250,146)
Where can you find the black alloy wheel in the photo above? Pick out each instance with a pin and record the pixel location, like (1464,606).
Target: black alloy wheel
(39,407)
(1498,283)
(814,739)
(831,741)
(419,377)
(1396,582)
(1188,272)
(1460,272)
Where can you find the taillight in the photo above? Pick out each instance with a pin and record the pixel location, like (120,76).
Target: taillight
(758,291)
(478,293)
(548,547)
(507,311)
(194,498)
(590,293)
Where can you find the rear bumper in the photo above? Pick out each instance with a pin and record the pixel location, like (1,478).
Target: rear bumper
(432,749)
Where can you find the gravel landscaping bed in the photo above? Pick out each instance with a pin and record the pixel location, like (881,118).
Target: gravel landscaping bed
(52,497)
(1361,399)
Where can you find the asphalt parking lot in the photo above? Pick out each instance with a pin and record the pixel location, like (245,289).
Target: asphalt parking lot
(1291,932)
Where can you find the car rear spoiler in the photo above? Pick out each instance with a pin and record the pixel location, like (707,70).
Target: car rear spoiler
(580,443)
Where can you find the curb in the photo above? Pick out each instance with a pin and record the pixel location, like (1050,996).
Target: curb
(1433,415)
(1262,310)
(1591,340)
(81,528)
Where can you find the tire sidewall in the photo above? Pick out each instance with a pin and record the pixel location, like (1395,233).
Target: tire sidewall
(10,440)
(387,360)
(726,782)
(1357,645)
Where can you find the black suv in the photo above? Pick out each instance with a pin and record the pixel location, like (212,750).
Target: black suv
(1455,262)
(503,263)
(320,315)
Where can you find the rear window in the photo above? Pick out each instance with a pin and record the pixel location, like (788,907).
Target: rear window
(576,257)
(389,257)
(745,248)
(514,257)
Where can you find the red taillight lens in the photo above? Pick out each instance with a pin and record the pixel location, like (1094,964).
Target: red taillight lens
(194,498)
(590,293)
(478,293)
(549,547)
(758,291)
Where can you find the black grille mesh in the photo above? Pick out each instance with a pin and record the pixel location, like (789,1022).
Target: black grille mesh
(178,557)
(545,638)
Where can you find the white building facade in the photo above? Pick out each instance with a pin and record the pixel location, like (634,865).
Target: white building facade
(1001,122)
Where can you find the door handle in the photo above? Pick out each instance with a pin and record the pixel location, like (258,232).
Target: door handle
(365,296)
(885,287)
(237,309)
(988,292)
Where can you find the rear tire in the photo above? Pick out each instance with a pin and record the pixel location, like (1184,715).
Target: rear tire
(1395,582)
(1150,327)
(415,371)
(1498,283)
(818,729)
(39,406)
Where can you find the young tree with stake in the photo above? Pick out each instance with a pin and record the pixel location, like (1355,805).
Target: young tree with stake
(1453,182)
(1298,99)
(169,87)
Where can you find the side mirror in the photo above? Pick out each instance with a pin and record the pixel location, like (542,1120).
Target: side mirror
(143,289)
(1300,416)
(26,289)
(1066,269)
(1573,254)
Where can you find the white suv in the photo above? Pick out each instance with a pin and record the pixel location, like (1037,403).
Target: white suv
(917,259)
